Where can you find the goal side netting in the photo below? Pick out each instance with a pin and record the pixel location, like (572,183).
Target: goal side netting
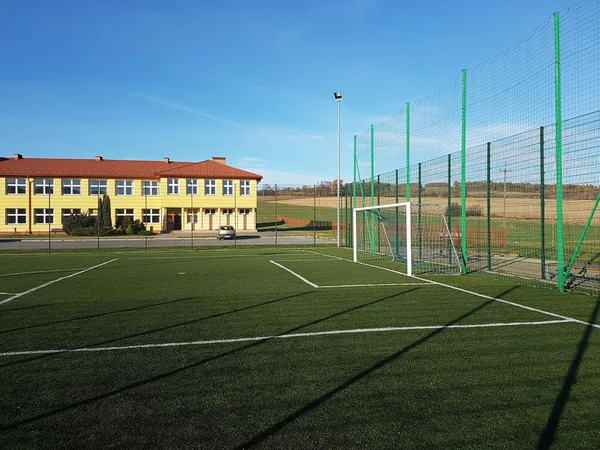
(414,235)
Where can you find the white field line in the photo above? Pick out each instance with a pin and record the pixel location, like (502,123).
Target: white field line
(279,336)
(8,293)
(295,274)
(200,257)
(477,294)
(21,294)
(40,271)
(373,285)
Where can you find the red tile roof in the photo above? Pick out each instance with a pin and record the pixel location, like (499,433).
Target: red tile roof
(118,168)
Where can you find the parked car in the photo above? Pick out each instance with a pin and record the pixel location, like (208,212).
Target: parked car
(226,232)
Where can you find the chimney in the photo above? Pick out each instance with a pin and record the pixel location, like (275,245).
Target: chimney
(167,159)
(220,159)
(98,158)
(18,156)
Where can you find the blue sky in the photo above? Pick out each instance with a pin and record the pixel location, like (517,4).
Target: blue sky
(249,80)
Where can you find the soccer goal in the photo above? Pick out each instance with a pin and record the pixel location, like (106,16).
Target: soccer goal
(414,235)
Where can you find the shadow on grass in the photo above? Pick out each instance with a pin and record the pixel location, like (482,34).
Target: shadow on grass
(549,433)
(156,330)
(171,373)
(358,377)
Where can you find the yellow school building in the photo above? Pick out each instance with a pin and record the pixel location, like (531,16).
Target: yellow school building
(37,193)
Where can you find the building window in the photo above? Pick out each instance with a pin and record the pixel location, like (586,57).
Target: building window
(244,187)
(227,187)
(173,186)
(210,211)
(227,211)
(44,187)
(191,187)
(93,212)
(16,186)
(71,187)
(98,187)
(43,215)
(66,212)
(151,215)
(244,211)
(192,215)
(124,187)
(124,212)
(149,187)
(16,216)
(210,187)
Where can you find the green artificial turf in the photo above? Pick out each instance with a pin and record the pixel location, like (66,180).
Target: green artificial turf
(520,386)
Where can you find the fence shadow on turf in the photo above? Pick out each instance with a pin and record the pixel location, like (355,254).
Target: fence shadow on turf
(549,433)
(358,377)
(156,330)
(194,365)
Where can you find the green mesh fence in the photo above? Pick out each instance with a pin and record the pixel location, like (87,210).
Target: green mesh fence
(307,214)
(510,150)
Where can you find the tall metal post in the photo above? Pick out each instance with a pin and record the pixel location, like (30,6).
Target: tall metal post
(407,153)
(339,102)
(542,207)
(354,182)
(489,208)
(560,256)
(463,173)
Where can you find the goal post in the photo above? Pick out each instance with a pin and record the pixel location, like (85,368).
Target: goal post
(371,213)
(415,235)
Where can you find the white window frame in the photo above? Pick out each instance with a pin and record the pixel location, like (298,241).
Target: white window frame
(193,215)
(16,214)
(210,187)
(126,188)
(71,186)
(227,211)
(72,211)
(45,214)
(97,187)
(210,211)
(45,186)
(151,215)
(227,187)
(245,187)
(16,185)
(127,212)
(173,186)
(245,211)
(191,186)
(150,188)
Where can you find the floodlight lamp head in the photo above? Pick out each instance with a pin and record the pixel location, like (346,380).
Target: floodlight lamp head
(337,96)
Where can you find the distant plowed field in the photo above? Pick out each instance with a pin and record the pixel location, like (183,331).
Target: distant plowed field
(516,208)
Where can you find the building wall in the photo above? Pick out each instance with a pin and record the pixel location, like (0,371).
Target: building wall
(180,204)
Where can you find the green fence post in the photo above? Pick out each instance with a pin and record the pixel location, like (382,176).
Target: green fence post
(542,207)
(449,209)
(559,188)
(489,209)
(354,182)
(463,173)
(378,203)
(407,153)
(315,215)
(419,220)
(397,218)
(372,188)
(275,215)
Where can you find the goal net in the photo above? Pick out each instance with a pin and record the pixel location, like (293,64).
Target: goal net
(415,235)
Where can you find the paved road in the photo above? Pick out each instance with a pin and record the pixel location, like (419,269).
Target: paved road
(58,242)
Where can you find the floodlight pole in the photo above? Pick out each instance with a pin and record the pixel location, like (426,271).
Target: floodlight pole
(338,99)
